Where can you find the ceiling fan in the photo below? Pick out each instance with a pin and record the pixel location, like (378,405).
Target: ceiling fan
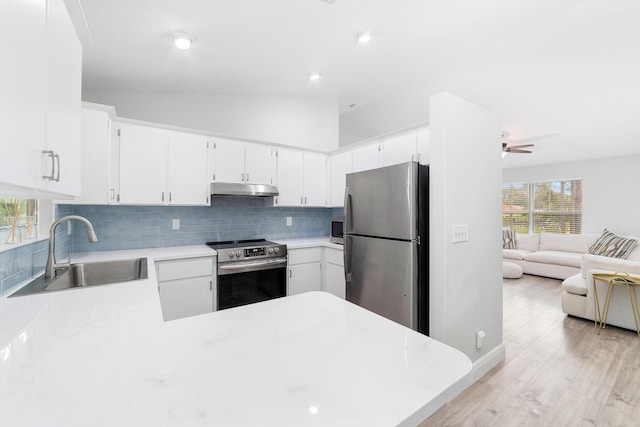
(517,146)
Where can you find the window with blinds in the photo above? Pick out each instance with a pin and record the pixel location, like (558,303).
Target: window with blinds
(551,206)
(515,207)
(557,206)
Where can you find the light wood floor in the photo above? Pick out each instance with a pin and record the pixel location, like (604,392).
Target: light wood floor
(557,371)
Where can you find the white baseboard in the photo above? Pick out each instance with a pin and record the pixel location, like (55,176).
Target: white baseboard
(488,362)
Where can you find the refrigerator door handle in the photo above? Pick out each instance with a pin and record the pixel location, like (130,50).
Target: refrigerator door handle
(347,260)
(347,209)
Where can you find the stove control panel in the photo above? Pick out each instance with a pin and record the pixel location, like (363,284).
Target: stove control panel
(251,252)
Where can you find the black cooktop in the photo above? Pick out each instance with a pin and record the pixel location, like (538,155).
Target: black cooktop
(239,243)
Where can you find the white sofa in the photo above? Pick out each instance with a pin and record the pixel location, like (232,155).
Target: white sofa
(550,254)
(578,296)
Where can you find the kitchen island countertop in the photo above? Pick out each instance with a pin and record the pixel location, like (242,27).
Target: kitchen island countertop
(102,356)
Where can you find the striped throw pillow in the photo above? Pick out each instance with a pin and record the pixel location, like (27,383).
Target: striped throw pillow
(508,239)
(612,245)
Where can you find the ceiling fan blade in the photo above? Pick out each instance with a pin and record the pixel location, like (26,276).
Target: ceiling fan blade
(521,146)
(535,138)
(510,150)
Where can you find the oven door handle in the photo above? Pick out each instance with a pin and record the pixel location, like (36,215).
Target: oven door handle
(245,267)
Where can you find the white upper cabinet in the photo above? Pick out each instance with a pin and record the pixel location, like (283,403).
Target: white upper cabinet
(64,65)
(260,164)
(315,179)
(423,141)
(97,157)
(188,169)
(366,157)
(40,102)
(240,162)
(161,167)
(302,178)
(339,166)
(227,161)
(400,149)
(23,88)
(143,165)
(290,181)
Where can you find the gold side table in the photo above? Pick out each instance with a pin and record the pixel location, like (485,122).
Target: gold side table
(612,279)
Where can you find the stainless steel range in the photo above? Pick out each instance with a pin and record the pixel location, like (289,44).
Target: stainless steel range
(249,271)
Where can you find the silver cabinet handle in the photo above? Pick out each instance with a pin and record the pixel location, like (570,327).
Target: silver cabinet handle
(347,209)
(305,200)
(290,273)
(163,196)
(301,200)
(57,157)
(243,177)
(51,154)
(113,193)
(247,176)
(169,196)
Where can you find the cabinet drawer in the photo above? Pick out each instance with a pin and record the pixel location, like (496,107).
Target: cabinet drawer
(334,256)
(302,256)
(183,268)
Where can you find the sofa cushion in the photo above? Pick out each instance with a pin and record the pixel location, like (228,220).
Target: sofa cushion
(529,242)
(576,285)
(570,259)
(566,242)
(612,245)
(515,253)
(593,262)
(508,239)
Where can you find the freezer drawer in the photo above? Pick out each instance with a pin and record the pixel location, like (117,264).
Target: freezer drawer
(381,276)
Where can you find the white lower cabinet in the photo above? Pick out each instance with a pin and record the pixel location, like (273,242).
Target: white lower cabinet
(334,281)
(304,272)
(187,287)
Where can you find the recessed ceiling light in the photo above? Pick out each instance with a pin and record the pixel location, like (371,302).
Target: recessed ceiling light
(182,40)
(314,77)
(364,36)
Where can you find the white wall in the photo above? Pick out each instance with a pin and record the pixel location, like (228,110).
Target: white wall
(305,122)
(402,110)
(465,188)
(609,190)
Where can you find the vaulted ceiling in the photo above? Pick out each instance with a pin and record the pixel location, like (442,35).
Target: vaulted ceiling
(564,67)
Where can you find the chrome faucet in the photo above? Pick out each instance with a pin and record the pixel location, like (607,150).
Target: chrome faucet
(52,266)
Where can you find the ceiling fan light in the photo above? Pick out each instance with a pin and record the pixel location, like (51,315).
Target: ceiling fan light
(182,40)
(314,77)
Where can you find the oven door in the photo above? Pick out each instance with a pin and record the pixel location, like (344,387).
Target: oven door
(246,282)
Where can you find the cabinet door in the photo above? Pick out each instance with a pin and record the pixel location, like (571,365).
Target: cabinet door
(366,158)
(143,165)
(423,140)
(23,88)
(334,281)
(399,150)
(304,278)
(228,160)
(64,66)
(339,166)
(95,158)
(315,179)
(260,164)
(188,169)
(186,297)
(290,178)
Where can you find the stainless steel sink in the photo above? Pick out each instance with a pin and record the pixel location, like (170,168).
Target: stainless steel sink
(81,275)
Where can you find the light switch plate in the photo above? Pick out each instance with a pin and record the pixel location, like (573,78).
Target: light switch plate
(459,233)
(175,224)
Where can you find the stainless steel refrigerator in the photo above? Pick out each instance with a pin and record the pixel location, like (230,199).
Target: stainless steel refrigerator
(386,242)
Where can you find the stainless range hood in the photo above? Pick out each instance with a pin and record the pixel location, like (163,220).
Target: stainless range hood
(234,189)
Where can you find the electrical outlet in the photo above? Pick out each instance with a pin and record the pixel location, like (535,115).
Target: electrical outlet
(175,224)
(459,233)
(480,339)
(289,221)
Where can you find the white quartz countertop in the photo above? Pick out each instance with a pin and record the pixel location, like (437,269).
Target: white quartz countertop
(102,356)
(308,243)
